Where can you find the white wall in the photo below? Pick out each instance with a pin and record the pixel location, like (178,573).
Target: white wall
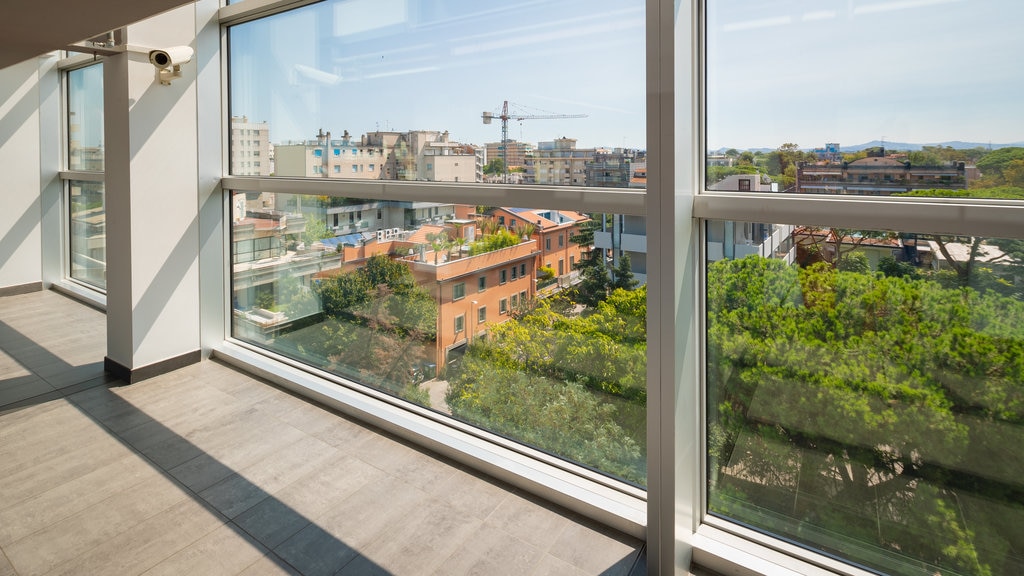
(20,230)
(152,200)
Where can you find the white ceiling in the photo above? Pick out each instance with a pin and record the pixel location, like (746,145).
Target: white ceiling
(29,28)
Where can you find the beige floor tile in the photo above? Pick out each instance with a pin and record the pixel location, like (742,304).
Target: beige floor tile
(62,501)
(596,551)
(530,519)
(308,499)
(263,479)
(80,533)
(491,552)
(147,544)
(223,552)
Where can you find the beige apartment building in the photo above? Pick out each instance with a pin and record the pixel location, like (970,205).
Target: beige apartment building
(251,151)
(559,163)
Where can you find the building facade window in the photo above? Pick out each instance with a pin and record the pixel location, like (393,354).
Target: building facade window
(458,291)
(481,284)
(481,315)
(460,323)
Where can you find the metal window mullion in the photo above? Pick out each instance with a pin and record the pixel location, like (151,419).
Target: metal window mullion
(616,201)
(253,9)
(82,175)
(961,216)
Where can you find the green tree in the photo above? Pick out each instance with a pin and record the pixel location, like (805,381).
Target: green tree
(868,405)
(572,385)
(993,164)
(316,229)
(622,275)
(594,280)
(494,166)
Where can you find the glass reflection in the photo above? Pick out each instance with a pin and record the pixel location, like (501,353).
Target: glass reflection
(87,239)
(85,118)
(525,322)
(449,92)
(866,393)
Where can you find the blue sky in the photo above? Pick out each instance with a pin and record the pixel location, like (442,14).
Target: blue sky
(852,71)
(802,71)
(361,65)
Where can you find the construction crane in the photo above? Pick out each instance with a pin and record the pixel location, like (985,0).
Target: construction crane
(505,117)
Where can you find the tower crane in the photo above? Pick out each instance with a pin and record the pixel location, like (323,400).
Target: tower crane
(505,117)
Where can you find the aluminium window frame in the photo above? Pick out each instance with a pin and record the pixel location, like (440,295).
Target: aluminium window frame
(671,513)
(717,543)
(74,287)
(607,500)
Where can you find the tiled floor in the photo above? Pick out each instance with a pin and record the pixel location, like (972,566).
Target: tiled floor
(209,471)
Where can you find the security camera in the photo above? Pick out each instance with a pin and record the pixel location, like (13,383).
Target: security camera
(168,62)
(174,56)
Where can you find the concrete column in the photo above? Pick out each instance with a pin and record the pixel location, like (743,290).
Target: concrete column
(152,205)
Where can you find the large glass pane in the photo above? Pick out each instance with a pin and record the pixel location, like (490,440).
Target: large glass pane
(527,322)
(865,97)
(88,237)
(457,91)
(866,393)
(85,118)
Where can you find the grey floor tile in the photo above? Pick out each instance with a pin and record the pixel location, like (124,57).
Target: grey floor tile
(363,566)
(17,388)
(401,460)
(377,509)
(249,486)
(269,565)
(492,552)
(72,461)
(422,540)
(470,493)
(596,551)
(146,544)
(314,551)
(530,519)
(308,499)
(232,446)
(5,567)
(551,566)
(62,501)
(223,552)
(80,533)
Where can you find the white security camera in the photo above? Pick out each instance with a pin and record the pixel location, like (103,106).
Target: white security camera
(168,62)
(173,56)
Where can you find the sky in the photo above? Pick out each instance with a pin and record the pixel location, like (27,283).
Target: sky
(779,71)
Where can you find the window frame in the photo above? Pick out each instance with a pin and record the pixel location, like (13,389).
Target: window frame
(677,204)
(65,281)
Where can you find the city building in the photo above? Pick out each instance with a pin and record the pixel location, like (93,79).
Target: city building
(553,231)
(613,169)
(251,151)
(877,176)
(558,163)
(516,152)
(415,155)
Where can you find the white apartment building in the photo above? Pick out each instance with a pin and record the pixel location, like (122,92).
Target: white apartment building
(251,151)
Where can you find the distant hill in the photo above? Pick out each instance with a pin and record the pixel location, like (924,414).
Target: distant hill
(956,144)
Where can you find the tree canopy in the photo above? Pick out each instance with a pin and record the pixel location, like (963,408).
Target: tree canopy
(882,408)
(571,385)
